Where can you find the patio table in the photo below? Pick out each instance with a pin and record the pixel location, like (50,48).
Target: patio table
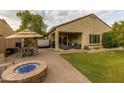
(31,50)
(27,51)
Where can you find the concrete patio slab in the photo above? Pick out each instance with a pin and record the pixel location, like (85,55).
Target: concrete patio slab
(59,70)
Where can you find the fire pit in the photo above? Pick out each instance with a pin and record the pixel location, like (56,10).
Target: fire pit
(31,71)
(26,68)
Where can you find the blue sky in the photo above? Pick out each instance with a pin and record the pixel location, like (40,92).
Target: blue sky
(56,17)
(111,16)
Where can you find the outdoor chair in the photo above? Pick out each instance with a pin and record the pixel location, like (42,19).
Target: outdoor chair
(30,51)
(18,51)
(77,45)
(65,47)
(36,51)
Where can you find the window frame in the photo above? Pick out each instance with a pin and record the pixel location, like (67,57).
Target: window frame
(94,38)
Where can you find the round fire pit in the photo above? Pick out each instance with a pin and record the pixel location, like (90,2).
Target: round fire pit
(31,71)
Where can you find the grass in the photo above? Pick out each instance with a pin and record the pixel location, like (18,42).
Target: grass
(99,67)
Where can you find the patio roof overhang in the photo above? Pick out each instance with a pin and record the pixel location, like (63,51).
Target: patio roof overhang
(69,32)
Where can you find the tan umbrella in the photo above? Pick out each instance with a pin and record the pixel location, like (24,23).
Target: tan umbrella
(26,33)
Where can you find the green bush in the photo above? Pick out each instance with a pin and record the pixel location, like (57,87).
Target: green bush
(108,40)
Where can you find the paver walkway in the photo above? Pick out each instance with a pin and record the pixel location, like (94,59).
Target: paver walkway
(59,70)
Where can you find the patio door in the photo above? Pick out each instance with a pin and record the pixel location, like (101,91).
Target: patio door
(63,40)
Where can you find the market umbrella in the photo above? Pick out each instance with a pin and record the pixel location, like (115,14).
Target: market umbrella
(26,33)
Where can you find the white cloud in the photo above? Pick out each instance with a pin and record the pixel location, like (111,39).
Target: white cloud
(56,17)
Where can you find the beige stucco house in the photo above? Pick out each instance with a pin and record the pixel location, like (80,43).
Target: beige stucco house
(84,31)
(5,30)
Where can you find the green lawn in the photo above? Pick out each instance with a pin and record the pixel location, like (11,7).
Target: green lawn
(99,67)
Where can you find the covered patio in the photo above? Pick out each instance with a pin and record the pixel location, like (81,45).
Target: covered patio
(66,40)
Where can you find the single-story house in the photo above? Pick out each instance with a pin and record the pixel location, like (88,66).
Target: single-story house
(5,30)
(83,31)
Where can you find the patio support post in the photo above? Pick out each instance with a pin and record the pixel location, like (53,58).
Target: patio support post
(56,40)
(67,40)
(82,43)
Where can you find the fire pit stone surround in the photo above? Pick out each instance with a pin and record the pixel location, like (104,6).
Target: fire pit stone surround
(37,74)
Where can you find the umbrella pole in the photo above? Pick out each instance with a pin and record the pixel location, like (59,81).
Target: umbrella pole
(37,46)
(5,51)
(22,46)
(15,54)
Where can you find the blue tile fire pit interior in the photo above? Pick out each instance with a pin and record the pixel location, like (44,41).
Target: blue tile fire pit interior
(26,68)
(33,71)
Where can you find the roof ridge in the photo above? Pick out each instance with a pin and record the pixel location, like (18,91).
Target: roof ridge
(75,19)
(53,28)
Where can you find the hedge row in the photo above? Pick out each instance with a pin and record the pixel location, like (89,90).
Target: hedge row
(108,40)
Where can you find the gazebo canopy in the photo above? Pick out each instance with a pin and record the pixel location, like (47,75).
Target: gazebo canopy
(26,33)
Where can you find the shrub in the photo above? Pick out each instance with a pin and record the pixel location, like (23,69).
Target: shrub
(108,40)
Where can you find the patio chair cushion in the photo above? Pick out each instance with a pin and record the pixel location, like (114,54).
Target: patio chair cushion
(65,47)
